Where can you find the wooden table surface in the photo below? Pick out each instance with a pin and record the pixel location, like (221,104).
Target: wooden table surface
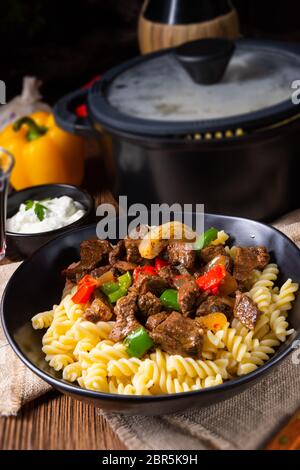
(56,421)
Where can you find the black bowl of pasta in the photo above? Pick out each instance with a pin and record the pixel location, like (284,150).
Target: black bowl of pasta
(82,358)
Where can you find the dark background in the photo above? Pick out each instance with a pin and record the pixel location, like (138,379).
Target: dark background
(66,43)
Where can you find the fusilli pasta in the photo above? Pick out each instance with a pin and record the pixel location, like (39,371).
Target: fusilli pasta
(221,239)
(42,320)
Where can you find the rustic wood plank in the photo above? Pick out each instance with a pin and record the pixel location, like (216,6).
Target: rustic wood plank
(57,422)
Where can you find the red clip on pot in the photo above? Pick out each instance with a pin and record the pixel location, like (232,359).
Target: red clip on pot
(81,110)
(72,115)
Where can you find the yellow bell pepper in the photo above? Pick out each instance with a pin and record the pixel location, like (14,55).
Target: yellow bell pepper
(43,152)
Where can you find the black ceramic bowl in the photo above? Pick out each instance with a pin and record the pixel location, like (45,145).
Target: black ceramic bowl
(22,299)
(24,244)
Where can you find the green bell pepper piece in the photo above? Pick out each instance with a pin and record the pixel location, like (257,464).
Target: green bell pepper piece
(116,290)
(169,299)
(114,296)
(138,342)
(206,238)
(110,287)
(125,280)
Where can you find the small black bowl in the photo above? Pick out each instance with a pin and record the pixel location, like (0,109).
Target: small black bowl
(23,299)
(24,244)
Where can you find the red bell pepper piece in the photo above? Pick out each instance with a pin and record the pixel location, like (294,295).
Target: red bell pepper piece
(87,279)
(211,280)
(160,263)
(83,294)
(85,289)
(149,270)
(136,273)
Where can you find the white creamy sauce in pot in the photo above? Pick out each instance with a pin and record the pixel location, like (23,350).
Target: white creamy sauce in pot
(45,215)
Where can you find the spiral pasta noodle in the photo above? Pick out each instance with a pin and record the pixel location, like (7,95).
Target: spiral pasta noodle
(259,355)
(197,368)
(221,239)
(60,346)
(248,336)
(119,388)
(72,371)
(95,378)
(234,344)
(262,326)
(286,295)
(279,325)
(229,339)
(268,276)
(261,296)
(59,361)
(123,367)
(42,320)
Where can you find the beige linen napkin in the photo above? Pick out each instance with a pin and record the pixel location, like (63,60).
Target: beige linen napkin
(246,421)
(18,384)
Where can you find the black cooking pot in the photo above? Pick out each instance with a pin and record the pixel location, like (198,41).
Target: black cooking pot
(209,122)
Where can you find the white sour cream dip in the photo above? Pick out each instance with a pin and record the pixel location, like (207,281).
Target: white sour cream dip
(57,212)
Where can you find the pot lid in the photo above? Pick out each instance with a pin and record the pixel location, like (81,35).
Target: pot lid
(202,86)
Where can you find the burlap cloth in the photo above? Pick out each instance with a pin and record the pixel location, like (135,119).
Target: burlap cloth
(246,421)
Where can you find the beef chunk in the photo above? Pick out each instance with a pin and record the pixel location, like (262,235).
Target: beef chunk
(124,266)
(215,304)
(92,254)
(179,335)
(181,253)
(74,272)
(100,309)
(168,273)
(211,252)
(125,311)
(246,310)
(99,271)
(148,305)
(249,258)
(155,320)
(117,253)
(132,251)
(188,296)
(147,283)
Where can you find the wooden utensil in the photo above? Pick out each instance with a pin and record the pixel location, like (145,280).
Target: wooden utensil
(171,23)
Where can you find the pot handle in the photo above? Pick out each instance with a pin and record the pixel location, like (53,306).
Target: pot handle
(65,114)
